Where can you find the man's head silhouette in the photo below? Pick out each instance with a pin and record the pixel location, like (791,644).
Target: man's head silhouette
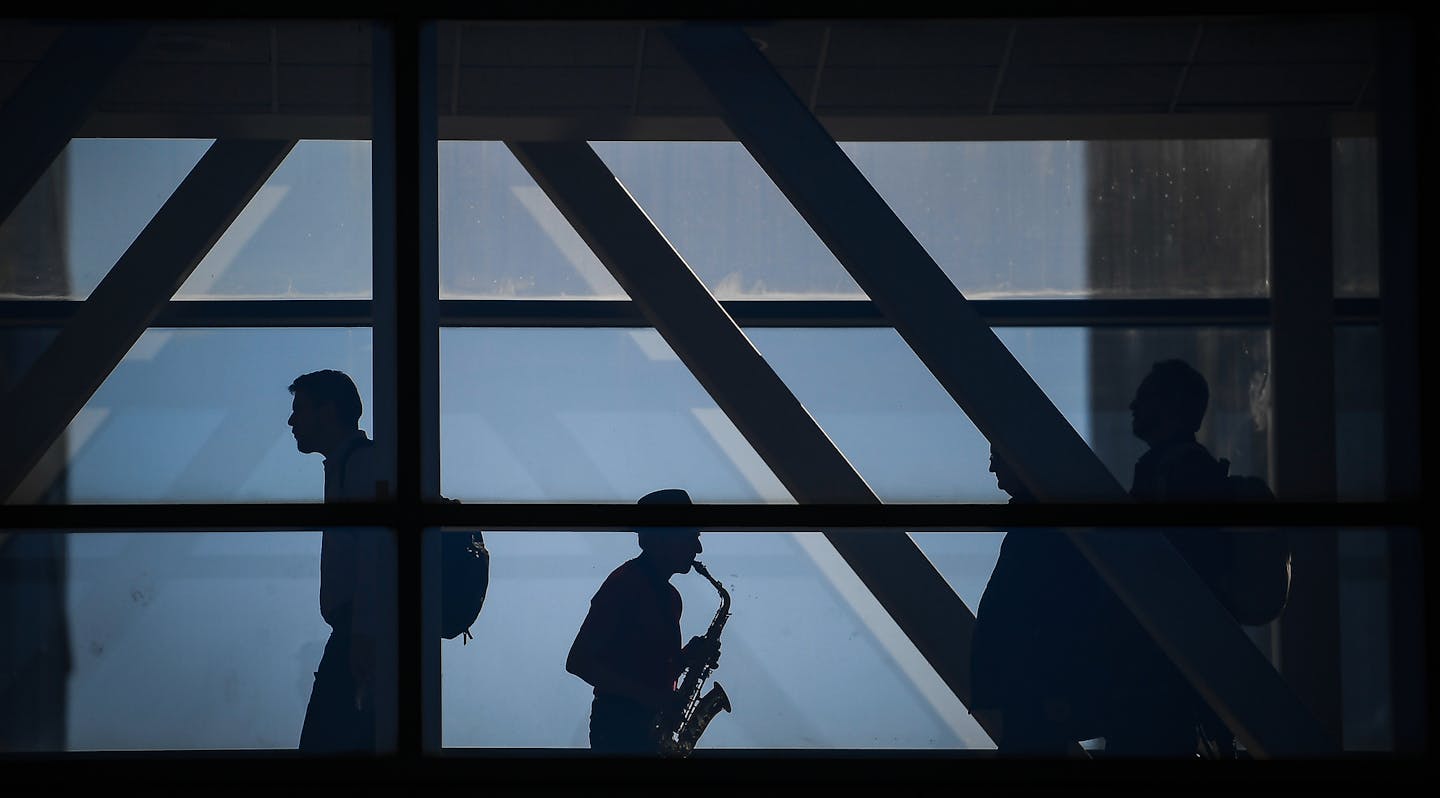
(325,411)
(1170,403)
(673,549)
(1007,480)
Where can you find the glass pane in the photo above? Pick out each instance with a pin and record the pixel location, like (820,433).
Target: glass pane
(307,231)
(305,235)
(584,415)
(911,442)
(1365,638)
(1004,219)
(502,238)
(895,423)
(1177,218)
(1236,365)
(1357,218)
(170,641)
(1359,414)
(724,215)
(86,210)
(195,415)
(809,659)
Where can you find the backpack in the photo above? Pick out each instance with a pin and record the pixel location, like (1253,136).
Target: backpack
(464,580)
(464,576)
(1256,584)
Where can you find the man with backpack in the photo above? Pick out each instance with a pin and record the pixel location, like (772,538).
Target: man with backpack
(1156,710)
(352,700)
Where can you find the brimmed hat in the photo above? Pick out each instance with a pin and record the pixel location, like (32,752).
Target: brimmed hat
(666,496)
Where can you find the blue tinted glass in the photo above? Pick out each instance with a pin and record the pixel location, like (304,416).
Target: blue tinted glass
(809,658)
(584,415)
(200,416)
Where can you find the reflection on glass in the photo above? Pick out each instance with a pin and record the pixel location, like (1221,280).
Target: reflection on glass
(198,415)
(809,658)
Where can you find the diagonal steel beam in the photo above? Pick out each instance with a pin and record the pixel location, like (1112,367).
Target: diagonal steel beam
(62,380)
(46,110)
(761,406)
(966,357)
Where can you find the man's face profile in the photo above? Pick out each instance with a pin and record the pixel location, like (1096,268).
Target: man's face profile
(306,420)
(1005,477)
(1145,410)
(675,549)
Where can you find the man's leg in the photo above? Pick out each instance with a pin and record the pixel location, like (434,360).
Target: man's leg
(1031,731)
(620,726)
(332,722)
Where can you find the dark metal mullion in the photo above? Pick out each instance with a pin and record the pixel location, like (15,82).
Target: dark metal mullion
(1411,593)
(1302,431)
(416,374)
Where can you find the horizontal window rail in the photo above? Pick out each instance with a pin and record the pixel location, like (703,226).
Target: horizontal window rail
(711,517)
(1076,312)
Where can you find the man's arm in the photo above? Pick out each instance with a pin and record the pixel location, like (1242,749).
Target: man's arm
(358,484)
(587,661)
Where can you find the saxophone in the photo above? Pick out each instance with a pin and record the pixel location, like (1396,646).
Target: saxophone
(677,732)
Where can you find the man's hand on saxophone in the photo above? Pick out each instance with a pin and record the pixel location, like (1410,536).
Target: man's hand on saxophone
(701,652)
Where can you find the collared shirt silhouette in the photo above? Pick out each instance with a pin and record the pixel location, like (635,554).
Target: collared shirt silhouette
(628,647)
(351,700)
(1032,655)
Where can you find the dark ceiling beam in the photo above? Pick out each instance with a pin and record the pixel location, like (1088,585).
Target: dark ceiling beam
(62,380)
(1000,72)
(1185,71)
(621,125)
(1173,605)
(53,102)
(753,396)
